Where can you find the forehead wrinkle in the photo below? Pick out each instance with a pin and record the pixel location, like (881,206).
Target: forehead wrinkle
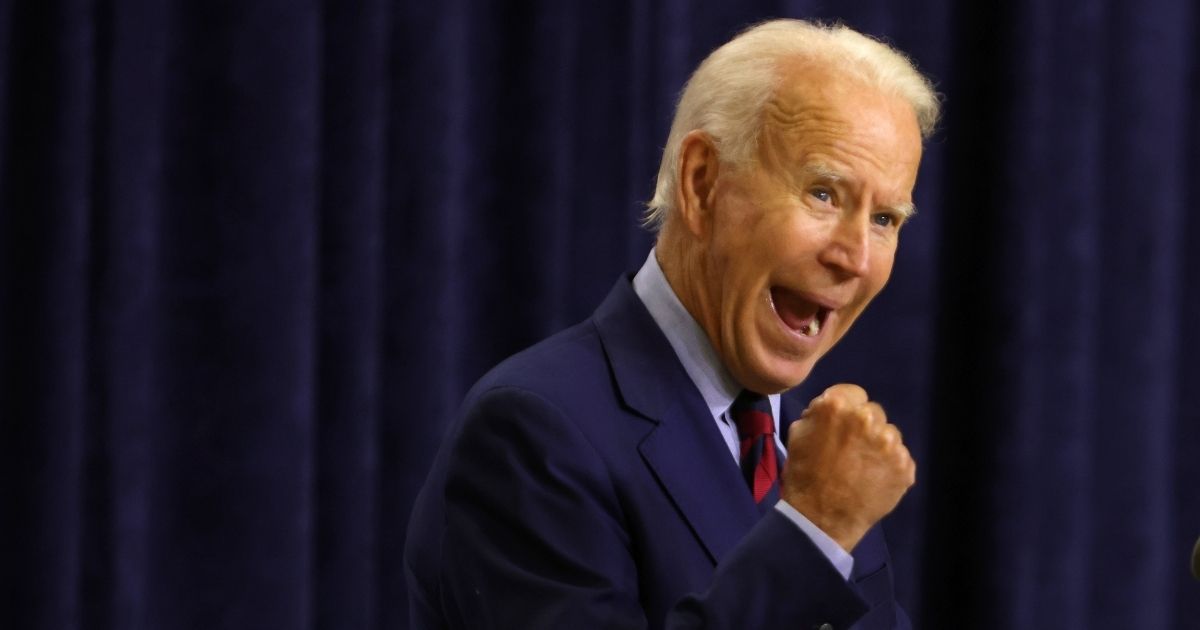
(810,128)
(785,129)
(805,117)
(817,128)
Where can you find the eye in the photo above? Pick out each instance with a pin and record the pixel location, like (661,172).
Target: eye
(822,194)
(885,219)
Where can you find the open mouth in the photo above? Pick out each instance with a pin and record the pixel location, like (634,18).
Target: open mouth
(803,316)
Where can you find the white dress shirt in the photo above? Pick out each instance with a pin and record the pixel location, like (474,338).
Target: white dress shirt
(717,387)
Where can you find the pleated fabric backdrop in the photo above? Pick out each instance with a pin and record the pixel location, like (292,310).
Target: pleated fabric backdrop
(253,252)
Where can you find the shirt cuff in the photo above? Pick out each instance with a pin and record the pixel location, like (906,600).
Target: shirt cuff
(842,561)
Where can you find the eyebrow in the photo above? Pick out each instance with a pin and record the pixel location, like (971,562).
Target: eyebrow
(825,173)
(907,209)
(821,171)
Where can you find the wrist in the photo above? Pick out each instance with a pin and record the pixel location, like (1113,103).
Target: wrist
(842,527)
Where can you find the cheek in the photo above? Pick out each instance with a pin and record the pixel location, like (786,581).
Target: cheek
(794,246)
(881,266)
(744,248)
(766,255)
(876,278)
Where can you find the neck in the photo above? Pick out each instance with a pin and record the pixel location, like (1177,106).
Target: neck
(683,265)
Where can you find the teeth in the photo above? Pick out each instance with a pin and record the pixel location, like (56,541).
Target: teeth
(814,327)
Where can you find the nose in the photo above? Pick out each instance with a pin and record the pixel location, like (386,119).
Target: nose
(849,249)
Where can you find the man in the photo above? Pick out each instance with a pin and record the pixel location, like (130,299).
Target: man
(629,472)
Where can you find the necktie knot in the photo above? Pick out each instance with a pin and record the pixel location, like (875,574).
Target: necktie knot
(752,414)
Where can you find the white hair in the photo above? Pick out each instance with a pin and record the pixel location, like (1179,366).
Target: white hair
(725,96)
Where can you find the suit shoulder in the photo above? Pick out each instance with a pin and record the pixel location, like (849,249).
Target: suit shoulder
(558,368)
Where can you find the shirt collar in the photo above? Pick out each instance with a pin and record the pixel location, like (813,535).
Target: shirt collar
(688,340)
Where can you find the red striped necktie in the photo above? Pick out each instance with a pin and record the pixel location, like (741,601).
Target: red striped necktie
(756,431)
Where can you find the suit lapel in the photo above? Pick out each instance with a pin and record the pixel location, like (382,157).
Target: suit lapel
(694,466)
(683,449)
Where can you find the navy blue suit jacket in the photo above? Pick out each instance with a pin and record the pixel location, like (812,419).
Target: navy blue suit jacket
(584,485)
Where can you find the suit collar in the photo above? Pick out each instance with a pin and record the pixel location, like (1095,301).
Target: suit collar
(682,447)
(683,450)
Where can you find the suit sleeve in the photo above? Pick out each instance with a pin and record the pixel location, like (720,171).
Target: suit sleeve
(536,538)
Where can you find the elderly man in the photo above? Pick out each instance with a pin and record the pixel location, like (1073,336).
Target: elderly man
(629,472)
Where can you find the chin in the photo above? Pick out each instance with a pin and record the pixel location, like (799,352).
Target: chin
(777,375)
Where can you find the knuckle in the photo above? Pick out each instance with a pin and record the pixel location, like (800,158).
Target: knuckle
(797,432)
(857,423)
(834,390)
(868,419)
(835,406)
(889,436)
(847,391)
(907,465)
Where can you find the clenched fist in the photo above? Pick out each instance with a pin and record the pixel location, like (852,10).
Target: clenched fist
(847,467)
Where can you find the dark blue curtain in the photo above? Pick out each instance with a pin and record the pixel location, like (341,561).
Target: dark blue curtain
(252,253)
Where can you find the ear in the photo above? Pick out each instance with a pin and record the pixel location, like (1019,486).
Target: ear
(697,179)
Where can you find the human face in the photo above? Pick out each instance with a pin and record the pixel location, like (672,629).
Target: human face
(800,242)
